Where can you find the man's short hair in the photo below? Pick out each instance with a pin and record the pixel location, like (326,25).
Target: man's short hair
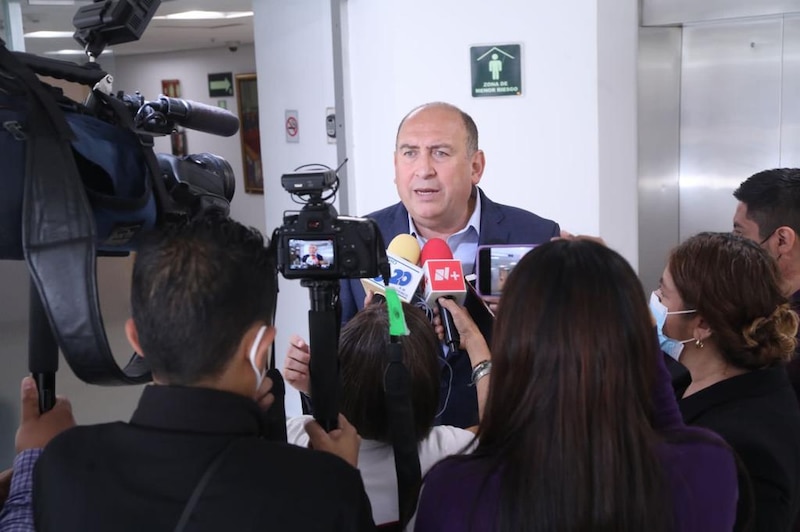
(197,287)
(773,199)
(469,123)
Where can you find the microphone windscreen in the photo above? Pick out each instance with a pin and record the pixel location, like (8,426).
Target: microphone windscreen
(406,247)
(435,248)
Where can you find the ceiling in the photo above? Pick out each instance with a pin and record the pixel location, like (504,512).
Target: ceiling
(160,35)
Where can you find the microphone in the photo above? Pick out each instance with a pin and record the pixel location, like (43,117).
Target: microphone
(197,116)
(444,277)
(403,254)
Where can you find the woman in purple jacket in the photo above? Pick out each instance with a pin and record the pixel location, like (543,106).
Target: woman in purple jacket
(581,430)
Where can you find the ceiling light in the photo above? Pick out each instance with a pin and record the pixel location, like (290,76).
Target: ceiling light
(205,15)
(48,34)
(51,2)
(73,52)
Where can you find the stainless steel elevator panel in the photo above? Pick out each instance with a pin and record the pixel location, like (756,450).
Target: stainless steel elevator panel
(790,101)
(659,78)
(730,115)
(663,12)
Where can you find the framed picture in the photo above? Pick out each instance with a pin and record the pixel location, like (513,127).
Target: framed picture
(247,96)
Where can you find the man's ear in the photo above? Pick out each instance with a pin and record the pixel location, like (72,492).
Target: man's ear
(478,164)
(787,240)
(133,336)
(265,348)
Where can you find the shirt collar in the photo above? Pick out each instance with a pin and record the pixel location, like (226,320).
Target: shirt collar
(474,221)
(199,410)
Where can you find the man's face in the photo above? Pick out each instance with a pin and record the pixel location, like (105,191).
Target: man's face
(312,249)
(434,171)
(744,226)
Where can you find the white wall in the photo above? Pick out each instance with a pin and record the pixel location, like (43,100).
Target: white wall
(617,43)
(541,147)
(294,59)
(565,149)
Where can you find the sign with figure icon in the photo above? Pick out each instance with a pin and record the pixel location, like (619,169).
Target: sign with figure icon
(496,70)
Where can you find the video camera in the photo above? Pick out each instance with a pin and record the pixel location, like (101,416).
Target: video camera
(316,243)
(81,179)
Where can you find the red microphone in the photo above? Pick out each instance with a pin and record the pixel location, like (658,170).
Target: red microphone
(443,277)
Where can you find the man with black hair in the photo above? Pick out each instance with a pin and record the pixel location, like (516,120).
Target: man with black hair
(769,213)
(195,451)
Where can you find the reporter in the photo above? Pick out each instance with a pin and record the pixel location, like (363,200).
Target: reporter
(196,452)
(581,430)
(724,316)
(363,362)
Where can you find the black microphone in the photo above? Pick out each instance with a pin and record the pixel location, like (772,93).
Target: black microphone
(197,116)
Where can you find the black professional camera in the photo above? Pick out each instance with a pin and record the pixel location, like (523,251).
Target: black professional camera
(317,243)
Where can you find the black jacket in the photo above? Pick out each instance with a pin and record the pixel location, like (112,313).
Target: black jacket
(758,415)
(138,476)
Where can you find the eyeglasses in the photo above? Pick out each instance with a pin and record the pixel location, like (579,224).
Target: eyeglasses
(768,237)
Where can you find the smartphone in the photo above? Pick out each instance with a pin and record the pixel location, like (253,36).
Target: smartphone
(494,263)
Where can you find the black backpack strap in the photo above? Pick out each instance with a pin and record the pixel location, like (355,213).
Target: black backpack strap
(58,239)
(201,485)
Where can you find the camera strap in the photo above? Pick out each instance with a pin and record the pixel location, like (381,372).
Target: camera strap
(58,238)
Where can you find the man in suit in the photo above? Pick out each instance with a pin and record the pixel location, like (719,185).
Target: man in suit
(312,259)
(197,449)
(438,165)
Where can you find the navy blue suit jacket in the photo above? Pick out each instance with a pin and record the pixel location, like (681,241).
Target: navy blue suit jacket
(500,224)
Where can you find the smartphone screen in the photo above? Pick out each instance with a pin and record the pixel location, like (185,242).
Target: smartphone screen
(494,264)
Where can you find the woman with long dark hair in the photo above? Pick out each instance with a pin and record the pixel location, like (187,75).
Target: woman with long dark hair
(581,430)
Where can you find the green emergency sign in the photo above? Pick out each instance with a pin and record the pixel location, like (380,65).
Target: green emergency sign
(496,70)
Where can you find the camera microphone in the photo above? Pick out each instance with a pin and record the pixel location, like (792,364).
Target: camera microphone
(197,116)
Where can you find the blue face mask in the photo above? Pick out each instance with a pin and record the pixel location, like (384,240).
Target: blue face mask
(669,345)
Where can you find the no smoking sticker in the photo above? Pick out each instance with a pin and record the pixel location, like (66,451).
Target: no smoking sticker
(292,126)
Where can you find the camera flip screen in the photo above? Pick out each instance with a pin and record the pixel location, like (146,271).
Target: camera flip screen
(311,254)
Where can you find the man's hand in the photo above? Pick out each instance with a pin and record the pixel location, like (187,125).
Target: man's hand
(36,429)
(438,328)
(566,235)
(295,367)
(343,442)
(5,485)
(368,298)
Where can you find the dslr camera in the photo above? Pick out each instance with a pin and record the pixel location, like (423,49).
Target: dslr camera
(316,243)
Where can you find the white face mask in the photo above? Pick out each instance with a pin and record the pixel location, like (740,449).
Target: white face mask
(669,345)
(260,374)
